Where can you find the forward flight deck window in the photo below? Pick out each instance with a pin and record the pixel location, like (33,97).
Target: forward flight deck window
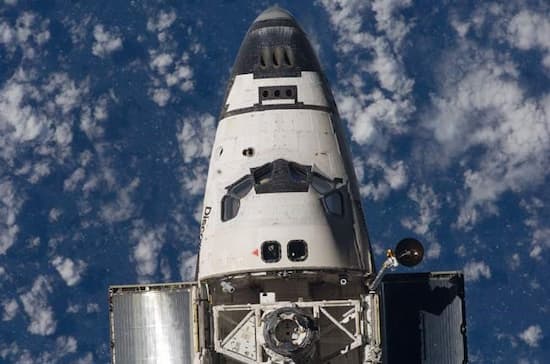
(281,176)
(333,203)
(231,202)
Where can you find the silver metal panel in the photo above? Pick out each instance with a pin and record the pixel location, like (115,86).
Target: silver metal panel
(152,324)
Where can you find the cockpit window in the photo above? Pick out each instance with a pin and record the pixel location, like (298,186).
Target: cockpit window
(333,203)
(298,173)
(321,184)
(241,187)
(283,176)
(230,207)
(231,201)
(262,175)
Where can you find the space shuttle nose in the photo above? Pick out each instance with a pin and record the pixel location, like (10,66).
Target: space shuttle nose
(274,12)
(275,46)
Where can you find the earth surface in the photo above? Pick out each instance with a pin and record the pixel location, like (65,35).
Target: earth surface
(108,111)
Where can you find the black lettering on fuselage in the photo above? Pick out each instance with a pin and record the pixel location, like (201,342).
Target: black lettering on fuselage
(205,216)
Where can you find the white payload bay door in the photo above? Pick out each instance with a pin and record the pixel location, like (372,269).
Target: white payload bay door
(153,323)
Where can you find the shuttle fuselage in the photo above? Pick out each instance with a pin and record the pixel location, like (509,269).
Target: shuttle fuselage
(285,270)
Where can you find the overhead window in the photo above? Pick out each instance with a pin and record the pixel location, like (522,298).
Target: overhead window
(262,175)
(281,176)
(297,172)
(271,251)
(241,187)
(296,250)
(321,184)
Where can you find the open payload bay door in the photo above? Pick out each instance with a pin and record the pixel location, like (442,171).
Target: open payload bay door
(423,318)
(155,323)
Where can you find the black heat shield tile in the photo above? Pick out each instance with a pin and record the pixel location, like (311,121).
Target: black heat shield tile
(423,318)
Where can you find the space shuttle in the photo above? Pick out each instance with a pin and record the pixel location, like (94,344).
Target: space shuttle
(285,270)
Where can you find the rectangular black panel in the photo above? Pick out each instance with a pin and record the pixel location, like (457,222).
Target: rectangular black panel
(423,318)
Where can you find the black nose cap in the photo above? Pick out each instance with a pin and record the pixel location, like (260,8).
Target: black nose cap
(272,13)
(275,46)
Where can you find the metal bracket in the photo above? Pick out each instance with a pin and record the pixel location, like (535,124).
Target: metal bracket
(243,341)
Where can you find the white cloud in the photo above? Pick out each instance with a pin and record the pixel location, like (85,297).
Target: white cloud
(537,222)
(161,96)
(460,27)
(123,207)
(10,309)
(66,94)
(532,336)
(540,241)
(196,136)
(64,345)
(19,122)
(428,209)
(36,118)
(372,114)
(86,359)
(388,19)
(514,261)
(10,204)
(193,179)
(105,42)
(529,30)
(93,116)
(34,170)
(73,308)
(36,306)
(188,264)
(9,350)
(375,112)
(76,308)
(434,251)
(473,271)
(146,252)
(165,270)
(390,70)
(169,72)
(92,308)
(74,179)
(70,270)
(162,21)
(28,34)
(6,33)
(161,62)
(382,177)
(484,108)
(347,19)
(373,117)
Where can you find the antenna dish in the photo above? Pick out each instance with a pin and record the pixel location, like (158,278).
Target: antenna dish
(409,252)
